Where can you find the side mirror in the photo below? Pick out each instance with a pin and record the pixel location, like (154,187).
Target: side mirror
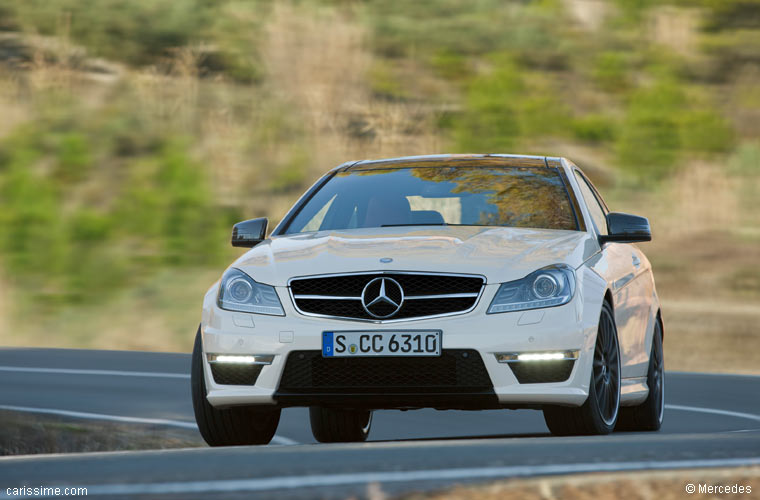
(626,228)
(249,233)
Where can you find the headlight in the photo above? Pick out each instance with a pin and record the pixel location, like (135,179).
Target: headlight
(238,292)
(547,287)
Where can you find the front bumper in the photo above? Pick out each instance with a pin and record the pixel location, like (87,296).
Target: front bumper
(550,329)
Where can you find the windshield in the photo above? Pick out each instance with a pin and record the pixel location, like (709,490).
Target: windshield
(433,196)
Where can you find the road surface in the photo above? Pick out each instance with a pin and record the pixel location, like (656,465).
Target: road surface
(710,420)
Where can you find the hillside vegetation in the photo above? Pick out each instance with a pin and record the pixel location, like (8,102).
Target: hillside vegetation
(133,134)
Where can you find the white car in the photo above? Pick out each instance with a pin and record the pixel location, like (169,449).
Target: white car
(447,281)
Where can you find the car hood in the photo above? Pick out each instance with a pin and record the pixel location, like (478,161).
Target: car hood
(500,254)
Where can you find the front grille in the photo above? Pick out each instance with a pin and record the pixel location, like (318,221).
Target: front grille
(542,372)
(455,371)
(425,295)
(234,374)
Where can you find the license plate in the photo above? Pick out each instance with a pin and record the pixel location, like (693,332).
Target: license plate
(388,343)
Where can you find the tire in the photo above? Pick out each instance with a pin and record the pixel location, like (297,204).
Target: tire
(331,425)
(648,415)
(599,413)
(232,426)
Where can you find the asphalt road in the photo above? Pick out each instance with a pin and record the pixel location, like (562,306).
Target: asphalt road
(710,420)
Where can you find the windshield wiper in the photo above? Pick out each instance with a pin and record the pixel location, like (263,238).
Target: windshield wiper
(417,224)
(432,224)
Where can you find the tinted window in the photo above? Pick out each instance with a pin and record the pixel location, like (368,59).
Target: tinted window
(595,208)
(456,195)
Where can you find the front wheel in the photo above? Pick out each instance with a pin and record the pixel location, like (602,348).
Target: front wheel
(599,413)
(332,425)
(231,426)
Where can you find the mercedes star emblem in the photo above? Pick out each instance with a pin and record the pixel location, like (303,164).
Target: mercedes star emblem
(382,297)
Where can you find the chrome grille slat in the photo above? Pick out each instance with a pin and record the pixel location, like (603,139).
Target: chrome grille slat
(324,297)
(442,296)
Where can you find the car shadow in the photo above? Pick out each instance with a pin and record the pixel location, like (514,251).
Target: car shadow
(464,438)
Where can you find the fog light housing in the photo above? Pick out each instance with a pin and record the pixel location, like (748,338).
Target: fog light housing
(537,356)
(241,359)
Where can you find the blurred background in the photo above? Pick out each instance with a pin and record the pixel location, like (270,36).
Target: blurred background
(134,134)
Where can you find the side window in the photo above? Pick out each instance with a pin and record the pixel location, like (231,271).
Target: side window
(595,208)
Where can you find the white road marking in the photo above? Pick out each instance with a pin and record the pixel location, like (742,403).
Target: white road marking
(714,411)
(284,441)
(70,371)
(292,482)
(709,374)
(119,418)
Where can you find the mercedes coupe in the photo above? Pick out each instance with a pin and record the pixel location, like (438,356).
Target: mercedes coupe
(444,281)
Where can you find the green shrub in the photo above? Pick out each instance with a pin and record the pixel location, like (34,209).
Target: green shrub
(234,32)
(506,105)
(191,224)
(383,81)
(730,52)
(649,144)
(32,238)
(594,128)
(490,122)
(427,28)
(74,157)
(732,14)
(137,32)
(542,114)
(662,121)
(632,11)
(611,71)
(451,65)
(292,175)
(95,264)
(649,140)
(60,246)
(705,130)
(146,32)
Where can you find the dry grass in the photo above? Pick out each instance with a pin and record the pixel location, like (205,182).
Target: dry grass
(706,260)
(704,199)
(160,315)
(710,337)
(676,28)
(13,112)
(645,485)
(590,14)
(709,284)
(317,61)
(23,434)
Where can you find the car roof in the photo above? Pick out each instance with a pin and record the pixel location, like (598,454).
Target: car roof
(447,160)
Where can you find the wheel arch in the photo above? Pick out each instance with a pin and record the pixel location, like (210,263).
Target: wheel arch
(608,298)
(658,318)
